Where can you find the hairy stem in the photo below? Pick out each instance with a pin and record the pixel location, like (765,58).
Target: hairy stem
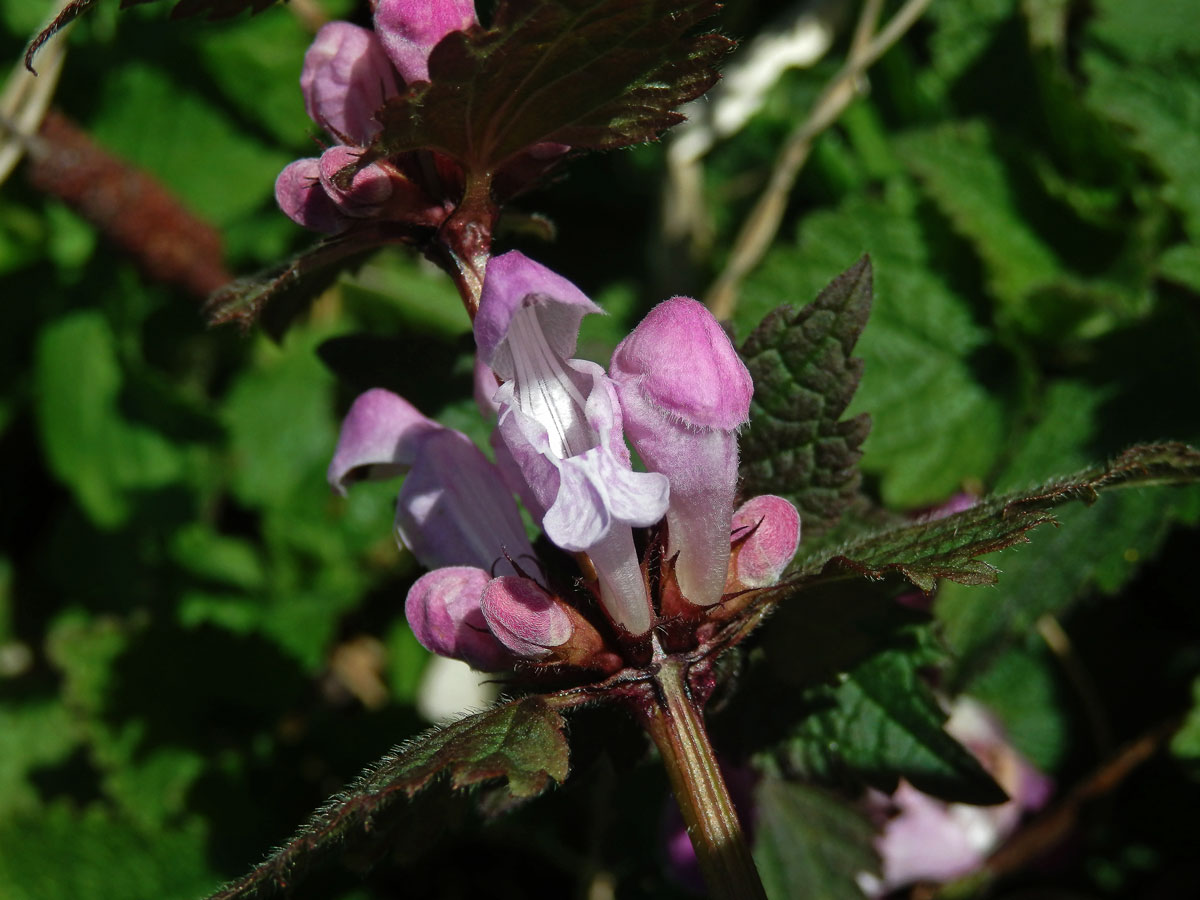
(675,722)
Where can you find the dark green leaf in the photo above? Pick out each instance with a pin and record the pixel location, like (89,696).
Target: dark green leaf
(810,843)
(214,9)
(109,858)
(950,547)
(290,287)
(934,424)
(797,445)
(521,741)
(882,722)
(101,456)
(594,74)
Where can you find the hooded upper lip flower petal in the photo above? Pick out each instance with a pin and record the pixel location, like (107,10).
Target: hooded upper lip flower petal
(684,393)
(453,508)
(561,420)
(346,78)
(410,29)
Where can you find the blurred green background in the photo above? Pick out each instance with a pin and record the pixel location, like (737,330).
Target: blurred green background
(199,643)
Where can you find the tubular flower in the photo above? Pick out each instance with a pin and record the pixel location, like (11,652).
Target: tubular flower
(685,393)
(679,391)
(560,419)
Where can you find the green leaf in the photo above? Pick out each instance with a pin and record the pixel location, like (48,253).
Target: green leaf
(934,425)
(1186,742)
(32,734)
(281,424)
(810,843)
(797,445)
(215,166)
(879,723)
(215,9)
(521,741)
(958,165)
(109,858)
(950,547)
(1159,106)
(91,448)
(594,74)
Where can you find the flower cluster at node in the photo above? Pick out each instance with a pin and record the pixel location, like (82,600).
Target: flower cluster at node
(636,551)
(350,73)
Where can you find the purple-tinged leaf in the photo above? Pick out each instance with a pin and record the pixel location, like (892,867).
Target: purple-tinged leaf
(521,741)
(797,445)
(592,74)
(950,547)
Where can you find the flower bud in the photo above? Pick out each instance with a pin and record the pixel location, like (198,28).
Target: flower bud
(303,199)
(347,76)
(535,625)
(410,29)
(766,533)
(368,190)
(444,612)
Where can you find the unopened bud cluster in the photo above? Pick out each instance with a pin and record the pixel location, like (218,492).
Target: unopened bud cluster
(350,73)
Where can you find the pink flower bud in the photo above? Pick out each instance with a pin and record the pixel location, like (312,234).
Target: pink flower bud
(444,613)
(526,619)
(369,189)
(346,78)
(410,29)
(535,625)
(299,193)
(766,533)
(683,393)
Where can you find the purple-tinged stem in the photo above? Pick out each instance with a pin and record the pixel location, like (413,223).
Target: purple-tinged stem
(674,720)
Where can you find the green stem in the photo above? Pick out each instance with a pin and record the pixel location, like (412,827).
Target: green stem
(676,723)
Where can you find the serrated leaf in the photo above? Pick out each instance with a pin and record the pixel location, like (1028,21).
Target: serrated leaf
(881,722)
(1159,107)
(291,286)
(521,741)
(797,445)
(937,425)
(594,74)
(959,166)
(810,843)
(950,547)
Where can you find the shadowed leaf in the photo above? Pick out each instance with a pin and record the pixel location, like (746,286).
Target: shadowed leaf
(808,837)
(797,446)
(950,547)
(290,287)
(594,74)
(521,741)
(214,9)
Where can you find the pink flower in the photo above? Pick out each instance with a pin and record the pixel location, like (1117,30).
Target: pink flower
(560,446)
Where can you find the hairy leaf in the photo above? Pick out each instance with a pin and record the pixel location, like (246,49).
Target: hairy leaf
(950,547)
(521,741)
(594,74)
(797,445)
(291,287)
(882,722)
(214,9)
(809,842)
(934,424)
